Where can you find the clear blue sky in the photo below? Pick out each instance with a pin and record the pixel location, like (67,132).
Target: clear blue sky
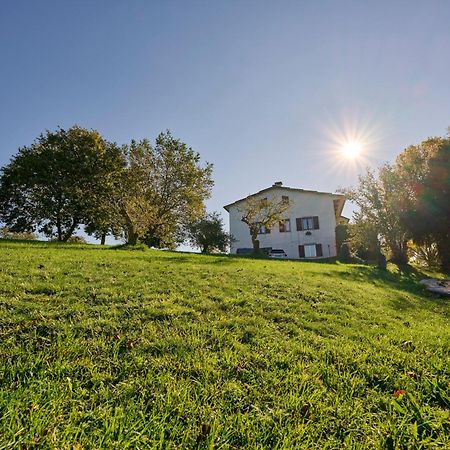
(262,89)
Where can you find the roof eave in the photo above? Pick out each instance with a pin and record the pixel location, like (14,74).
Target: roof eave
(334,195)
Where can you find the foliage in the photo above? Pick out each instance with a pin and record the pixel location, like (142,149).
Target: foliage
(258,213)
(5,233)
(412,167)
(164,189)
(341,235)
(59,182)
(377,198)
(425,211)
(77,240)
(120,349)
(208,234)
(363,239)
(344,253)
(425,254)
(409,199)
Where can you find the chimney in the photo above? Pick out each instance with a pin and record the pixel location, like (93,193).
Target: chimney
(278,183)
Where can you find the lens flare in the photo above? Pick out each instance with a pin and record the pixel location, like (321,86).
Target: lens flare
(352,149)
(352,141)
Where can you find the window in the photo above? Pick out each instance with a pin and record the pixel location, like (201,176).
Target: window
(263,229)
(310,251)
(285,199)
(307,223)
(285,226)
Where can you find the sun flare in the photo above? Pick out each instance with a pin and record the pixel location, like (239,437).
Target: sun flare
(351,142)
(351,149)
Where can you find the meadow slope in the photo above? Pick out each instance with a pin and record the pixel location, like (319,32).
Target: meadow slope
(108,348)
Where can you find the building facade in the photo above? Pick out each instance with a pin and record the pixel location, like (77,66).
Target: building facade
(307,230)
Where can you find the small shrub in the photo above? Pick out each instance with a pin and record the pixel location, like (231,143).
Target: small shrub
(5,233)
(341,235)
(425,255)
(344,253)
(77,240)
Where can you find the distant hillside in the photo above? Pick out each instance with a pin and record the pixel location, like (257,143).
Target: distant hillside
(109,348)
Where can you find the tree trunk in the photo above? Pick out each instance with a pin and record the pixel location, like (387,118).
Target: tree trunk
(70,231)
(399,254)
(58,227)
(132,237)
(255,242)
(443,248)
(103,239)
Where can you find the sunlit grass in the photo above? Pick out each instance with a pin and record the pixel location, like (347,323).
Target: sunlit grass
(105,348)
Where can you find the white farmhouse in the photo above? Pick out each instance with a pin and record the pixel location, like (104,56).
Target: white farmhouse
(308,230)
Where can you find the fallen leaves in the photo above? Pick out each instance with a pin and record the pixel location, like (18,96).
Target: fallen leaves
(399,393)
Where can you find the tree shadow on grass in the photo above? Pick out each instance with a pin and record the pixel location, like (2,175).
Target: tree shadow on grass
(401,279)
(228,259)
(207,260)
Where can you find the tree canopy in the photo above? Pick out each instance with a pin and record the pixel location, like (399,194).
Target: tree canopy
(208,234)
(407,200)
(164,189)
(425,211)
(69,178)
(262,213)
(62,180)
(376,197)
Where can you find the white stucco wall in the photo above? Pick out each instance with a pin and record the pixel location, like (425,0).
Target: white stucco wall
(303,204)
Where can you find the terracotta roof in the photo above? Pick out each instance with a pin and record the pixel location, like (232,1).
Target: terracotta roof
(226,207)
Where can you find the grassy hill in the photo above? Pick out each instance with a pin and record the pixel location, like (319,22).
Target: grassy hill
(108,348)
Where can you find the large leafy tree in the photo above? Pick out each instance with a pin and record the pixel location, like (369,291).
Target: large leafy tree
(378,199)
(62,180)
(363,237)
(208,234)
(165,187)
(262,213)
(425,207)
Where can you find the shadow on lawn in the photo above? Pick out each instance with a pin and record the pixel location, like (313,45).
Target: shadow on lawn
(189,259)
(227,259)
(405,279)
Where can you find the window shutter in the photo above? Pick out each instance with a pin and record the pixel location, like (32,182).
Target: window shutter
(316,222)
(319,250)
(281,226)
(298,221)
(301,251)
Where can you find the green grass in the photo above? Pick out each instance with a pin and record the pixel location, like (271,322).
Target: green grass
(108,348)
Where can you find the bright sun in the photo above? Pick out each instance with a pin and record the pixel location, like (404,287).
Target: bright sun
(351,149)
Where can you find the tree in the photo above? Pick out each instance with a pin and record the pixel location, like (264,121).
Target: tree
(59,182)
(262,213)
(377,199)
(208,234)
(164,189)
(344,253)
(364,238)
(341,235)
(426,209)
